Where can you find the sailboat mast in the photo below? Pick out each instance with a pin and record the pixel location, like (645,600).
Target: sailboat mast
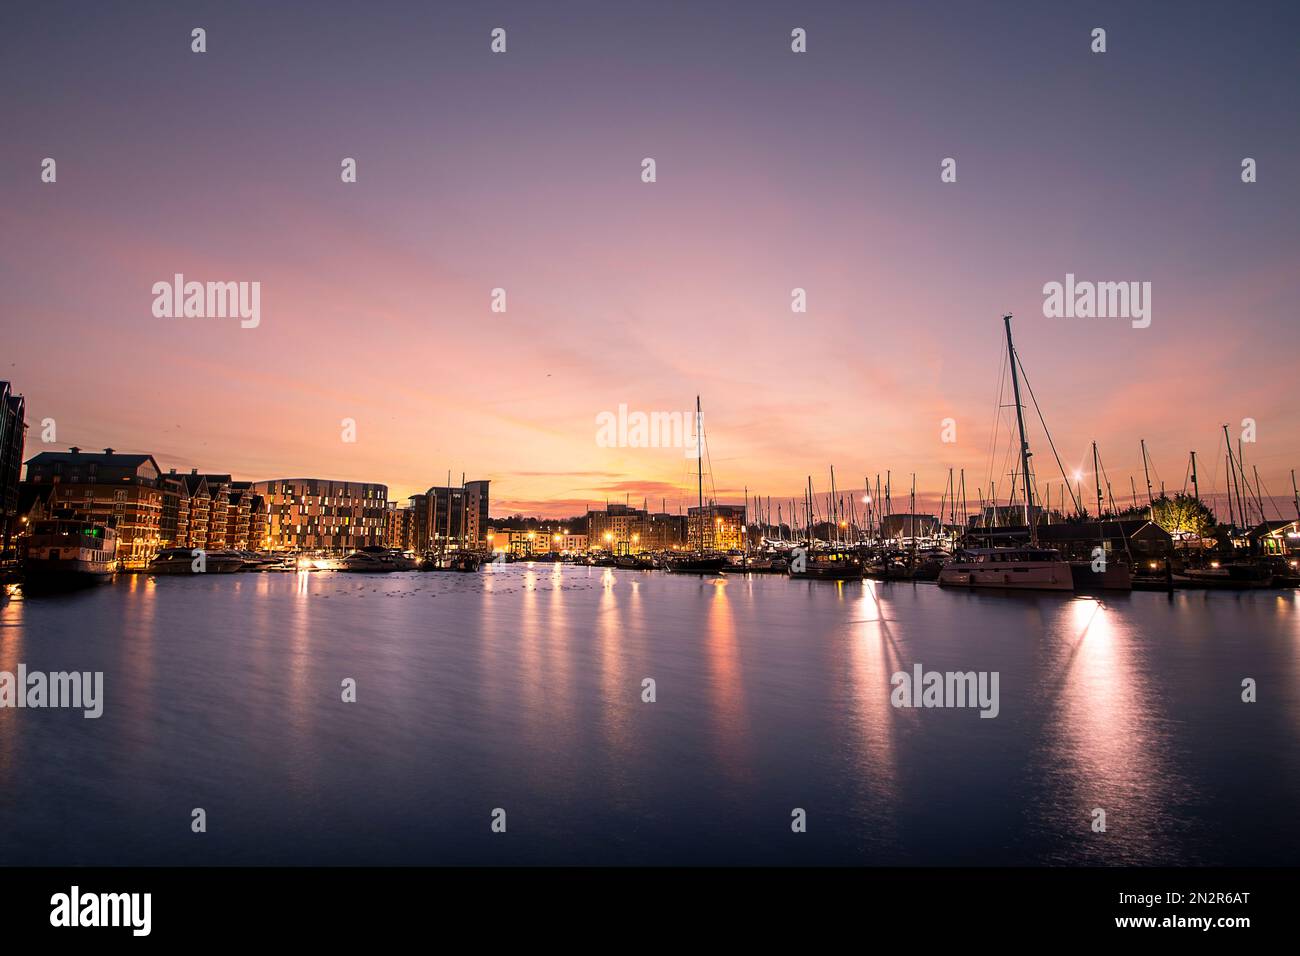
(699,463)
(1096,474)
(1196,488)
(1147,472)
(1024,445)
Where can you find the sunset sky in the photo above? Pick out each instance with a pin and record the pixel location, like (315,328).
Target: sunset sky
(775,170)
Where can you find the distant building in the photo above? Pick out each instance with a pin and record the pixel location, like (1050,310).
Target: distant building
(174,522)
(316,514)
(399,527)
(218,512)
(450,518)
(661,531)
(246,519)
(617,529)
(118,490)
(1137,537)
(716,527)
(913,526)
(1276,537)
(1008,516)
(196,487)
(12,436)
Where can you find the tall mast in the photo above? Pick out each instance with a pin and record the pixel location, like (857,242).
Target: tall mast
(1233,487)
(1295,494)
(1024,445)
(1096,474)
(835,524)
(1146,471)
(699,463)
(1196,488)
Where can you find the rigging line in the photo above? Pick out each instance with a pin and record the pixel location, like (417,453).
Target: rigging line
(1268,496)
(1051,444)
(997,416)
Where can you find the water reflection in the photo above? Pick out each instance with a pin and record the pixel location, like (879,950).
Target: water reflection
(726,686)
(522,686)
(873,659)
(1105,739)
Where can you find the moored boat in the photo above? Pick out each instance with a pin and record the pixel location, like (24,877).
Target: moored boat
(463,561)
(63,552)
(376,559)
(697,562)
(1024,569)
(836,566)
(196,561)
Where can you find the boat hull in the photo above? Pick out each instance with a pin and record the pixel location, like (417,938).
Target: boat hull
(1023,576)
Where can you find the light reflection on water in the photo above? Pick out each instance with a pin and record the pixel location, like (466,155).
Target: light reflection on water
(520,687)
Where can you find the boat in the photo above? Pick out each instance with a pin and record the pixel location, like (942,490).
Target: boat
(835,566)
(375,559)
(635,562)
(757,564)
(1022,568)
(697,562)
(1239,576)
(1286,570)
(700,560)
(929,563)
(196,561)
(1116,575)
(268,561)
(64,552)
(463,561)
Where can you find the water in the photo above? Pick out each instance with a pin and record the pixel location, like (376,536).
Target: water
(520,688)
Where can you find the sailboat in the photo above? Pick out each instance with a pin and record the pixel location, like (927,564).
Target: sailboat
(700,560)
(1023,568)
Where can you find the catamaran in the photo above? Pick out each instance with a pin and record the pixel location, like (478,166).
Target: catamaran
(1022,568)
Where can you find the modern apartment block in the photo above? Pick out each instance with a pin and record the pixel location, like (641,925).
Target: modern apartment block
(448,518)
(624,529)
(399,527)
(719,527)
(118,490)
(317,514)
(12,429)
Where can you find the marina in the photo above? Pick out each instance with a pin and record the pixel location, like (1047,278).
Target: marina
(520,687)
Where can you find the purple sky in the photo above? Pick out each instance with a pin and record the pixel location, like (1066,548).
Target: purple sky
(775,170)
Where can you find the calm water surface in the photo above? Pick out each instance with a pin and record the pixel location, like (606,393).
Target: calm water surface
(520,688)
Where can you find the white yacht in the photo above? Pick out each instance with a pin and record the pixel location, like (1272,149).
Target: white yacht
(376,559)
(1025,569)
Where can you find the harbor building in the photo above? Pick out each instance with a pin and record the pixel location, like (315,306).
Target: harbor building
(450,518)
(174,523)
(317,514)
(617,529)
(12,437)
(399,527)
(120,491)
(913,526)
(716,527)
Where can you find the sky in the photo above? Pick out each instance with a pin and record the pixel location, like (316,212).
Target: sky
(775,170)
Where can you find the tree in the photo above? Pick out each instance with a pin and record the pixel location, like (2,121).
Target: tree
(1183,513)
